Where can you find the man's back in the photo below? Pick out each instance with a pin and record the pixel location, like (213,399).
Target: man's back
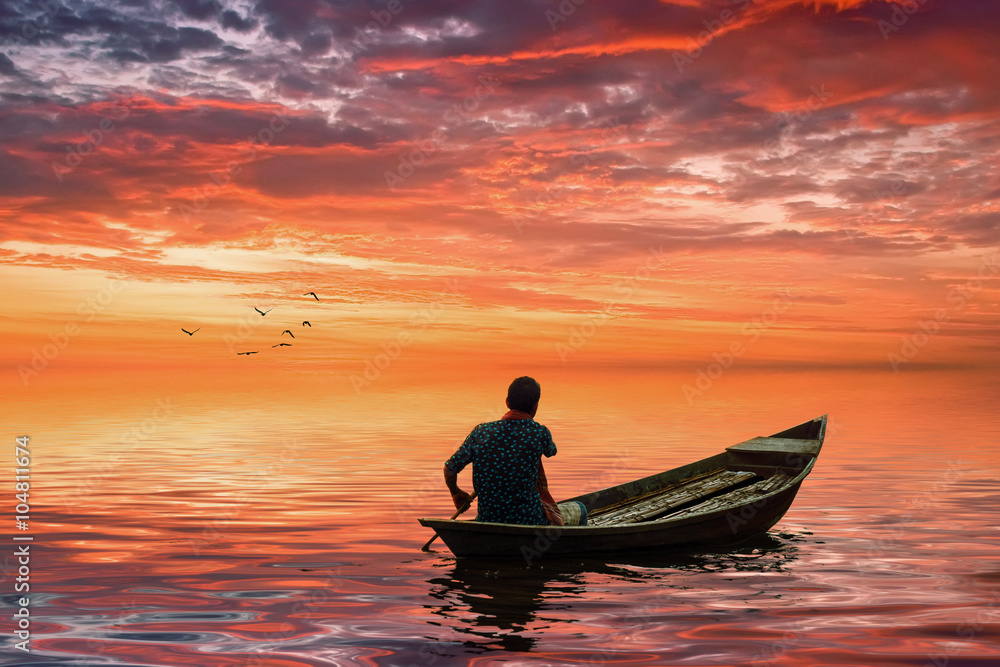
(505,456)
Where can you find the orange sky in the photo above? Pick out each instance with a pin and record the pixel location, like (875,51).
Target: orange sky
(635,184)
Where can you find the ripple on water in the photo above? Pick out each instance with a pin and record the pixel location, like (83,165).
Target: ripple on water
(167,637)
(189,616)
(883,559)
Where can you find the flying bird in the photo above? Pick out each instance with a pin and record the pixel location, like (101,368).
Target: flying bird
(306,324)
(313,295)
(263,312)
(190,333)
(246,353)
(288,331)
(282,345)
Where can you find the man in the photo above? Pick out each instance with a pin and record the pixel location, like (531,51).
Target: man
(506,457)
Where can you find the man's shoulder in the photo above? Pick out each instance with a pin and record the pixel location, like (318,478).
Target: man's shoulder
(481,430)
(512,424)
(541,427)
(531,425)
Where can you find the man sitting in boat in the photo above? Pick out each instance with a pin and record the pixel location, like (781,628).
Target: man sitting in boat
(507,468)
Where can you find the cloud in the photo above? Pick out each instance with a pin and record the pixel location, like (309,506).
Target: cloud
(233,21)
(7,67)
(793,130)
(199,9)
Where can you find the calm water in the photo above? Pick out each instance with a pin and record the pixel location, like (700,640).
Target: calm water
(253,530)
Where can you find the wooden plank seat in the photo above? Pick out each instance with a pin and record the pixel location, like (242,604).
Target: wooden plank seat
(638,497)
(673,497)
(734,498)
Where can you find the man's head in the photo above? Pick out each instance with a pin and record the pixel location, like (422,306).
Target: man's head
(523,394)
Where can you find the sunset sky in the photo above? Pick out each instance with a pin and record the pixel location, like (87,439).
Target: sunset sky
(625,184)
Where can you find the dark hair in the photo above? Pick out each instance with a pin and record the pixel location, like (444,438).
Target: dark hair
(523,393)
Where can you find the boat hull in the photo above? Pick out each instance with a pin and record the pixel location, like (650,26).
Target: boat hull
(732,522)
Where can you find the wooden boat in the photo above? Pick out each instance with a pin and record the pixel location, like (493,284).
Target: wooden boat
(726,498)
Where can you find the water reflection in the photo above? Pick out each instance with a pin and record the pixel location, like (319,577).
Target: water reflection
(210,544)
(498,600)
(494,601)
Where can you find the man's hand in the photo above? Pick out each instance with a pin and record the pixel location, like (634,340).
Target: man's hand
(461,499)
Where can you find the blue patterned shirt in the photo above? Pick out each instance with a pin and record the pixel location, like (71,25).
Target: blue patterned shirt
(505,456)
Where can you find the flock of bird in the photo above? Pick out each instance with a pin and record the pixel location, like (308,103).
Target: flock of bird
(305,323)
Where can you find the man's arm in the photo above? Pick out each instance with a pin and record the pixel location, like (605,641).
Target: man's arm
(458,496)
(458,461)
(549,446)
(549,505)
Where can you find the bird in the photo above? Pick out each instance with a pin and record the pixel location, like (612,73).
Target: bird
(190,333)
(263,312)
(246,353)
(313,295)
(288,331)
(282,345)
(306,324)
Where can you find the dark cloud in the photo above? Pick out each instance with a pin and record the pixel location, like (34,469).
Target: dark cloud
(293,84)
(316,44)
(233,21)
(158,42)
(7,67)
(287,20)
(126,37)
(881,188)
(127,56)
(198,9)
(20,99)
(981,229)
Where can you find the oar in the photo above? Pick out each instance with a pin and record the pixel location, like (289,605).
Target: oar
(454,516)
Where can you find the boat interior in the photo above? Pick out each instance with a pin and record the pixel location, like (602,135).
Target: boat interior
(741,474)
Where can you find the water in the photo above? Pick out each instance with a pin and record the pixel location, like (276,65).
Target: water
(278,527)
